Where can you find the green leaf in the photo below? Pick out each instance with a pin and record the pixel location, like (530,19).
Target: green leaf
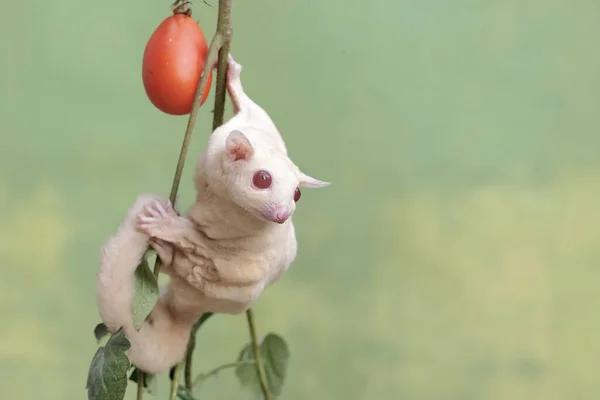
(107,375)
(100,331)
(149,380)
(275,355)
(149,253)
(184,394)
(247,374)
(146,293)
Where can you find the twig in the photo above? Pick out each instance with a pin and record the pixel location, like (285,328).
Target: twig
(215,45)
(262,376)
(140,383)
(202,377)
(175,382)
(187,376)
(220,44)
(224,28)
(190,349)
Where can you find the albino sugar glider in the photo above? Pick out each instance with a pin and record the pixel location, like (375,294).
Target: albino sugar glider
(236,239)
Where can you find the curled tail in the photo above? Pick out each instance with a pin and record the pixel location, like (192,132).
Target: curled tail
(162,340)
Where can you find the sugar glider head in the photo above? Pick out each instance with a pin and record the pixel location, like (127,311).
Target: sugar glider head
(264,182)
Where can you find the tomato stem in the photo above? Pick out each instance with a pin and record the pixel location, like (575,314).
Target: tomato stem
(184,7)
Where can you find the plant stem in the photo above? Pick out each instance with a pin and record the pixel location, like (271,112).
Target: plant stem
(224,28)
(203,377)
(175,382)
(188,360)
(220,44)
(215,45)
(262,376)
(140,383)
(190,349)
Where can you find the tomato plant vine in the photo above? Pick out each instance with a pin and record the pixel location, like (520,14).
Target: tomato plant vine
(261,367)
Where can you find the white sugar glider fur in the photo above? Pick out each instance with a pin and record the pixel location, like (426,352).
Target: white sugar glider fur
(235,239)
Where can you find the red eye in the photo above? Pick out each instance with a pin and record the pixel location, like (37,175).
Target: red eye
(297,194)
(262,179)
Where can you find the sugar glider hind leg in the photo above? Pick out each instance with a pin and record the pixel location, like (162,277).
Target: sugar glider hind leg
(248,114)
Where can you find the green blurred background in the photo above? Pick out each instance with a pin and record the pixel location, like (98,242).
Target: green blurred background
(455,255)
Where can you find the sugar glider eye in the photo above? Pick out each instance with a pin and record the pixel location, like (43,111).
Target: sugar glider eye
(297,194)
(262,179)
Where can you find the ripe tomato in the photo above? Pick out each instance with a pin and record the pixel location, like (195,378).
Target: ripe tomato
(172,64)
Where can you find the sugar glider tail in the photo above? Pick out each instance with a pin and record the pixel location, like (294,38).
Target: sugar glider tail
(162,340)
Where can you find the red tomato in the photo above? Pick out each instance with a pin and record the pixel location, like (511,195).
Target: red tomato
(172,64)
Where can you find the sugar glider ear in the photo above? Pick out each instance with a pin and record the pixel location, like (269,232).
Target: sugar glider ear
(238,147)
(310,182)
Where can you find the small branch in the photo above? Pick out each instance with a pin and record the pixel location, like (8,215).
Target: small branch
(202,377)
(190,349)
(262,376)
(220,44)
(175,382)
(188,360)
(223,27)
(140,383)
(215,45)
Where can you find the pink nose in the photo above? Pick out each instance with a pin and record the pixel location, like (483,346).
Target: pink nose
(278,214)
(281,216)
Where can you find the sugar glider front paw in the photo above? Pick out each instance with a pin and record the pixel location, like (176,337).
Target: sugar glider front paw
(164,250)
(142,201)
(156,217)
